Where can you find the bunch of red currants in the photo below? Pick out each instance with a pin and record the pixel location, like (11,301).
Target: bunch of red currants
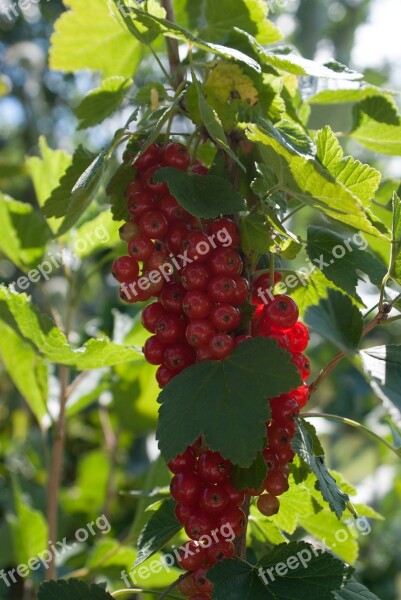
(195,270)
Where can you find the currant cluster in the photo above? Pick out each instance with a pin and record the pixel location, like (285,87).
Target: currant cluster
(206,502)
(190,266)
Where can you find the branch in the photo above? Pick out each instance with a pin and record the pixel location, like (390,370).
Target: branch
(325,372)
(172,48)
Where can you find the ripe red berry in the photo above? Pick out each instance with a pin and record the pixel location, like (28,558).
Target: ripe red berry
(173,211)
(156,261)
(153,224)
(214,499)
(278,436)
(176,155)
(192,556)
(182,512)
(276,482)
(199,524)
(154,351)
(235,518)
(195,277)
(196,246)
(220,345)
(213,468)
(204,353)
(235,497)
(128,231)
(226,230)
(151,184)
(179,357)
(141,247)
(241,338)
(134,187)
(299,337)
(125,269)
(199,332)
(200,169)
(225,261)
(283,409)
(225,317)
(185,487)
(139,203)
(170,329)
(241,290)
(201,581)
(268,505)
(183,462)
(270,457)
(303,364)
(263,284)
(281,313)
(148,158)
(151,314)
(171,297)
(285,455)
(301,395)
(221,288)
(187,587)
(196,304)
(164,375)
(175,235)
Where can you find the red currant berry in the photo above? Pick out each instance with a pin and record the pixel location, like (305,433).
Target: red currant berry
(192,556)
(276,482)
(134,187)
(185,487)
(199,332)
(214,499)
(200,169)
(182,512)
(173,211)
(196,304)
(199,524)
(183,462)
(154,351)
(179,357)
(170,329)
(125,269)
(141,247)
(303,364)
(225,317)
(268,505)
(157,260)
(153,224)
(164,375)
(175,236)
(235,497)
(151,314)
(196,246)
(283,409)
(220,345)
(285,455)
(299,337)
(278,436)
(241,290)
(128,231)
(129,296)
(234,517)
(263,284)
(213,468)
(201,581)
(148,158)
(227,229)
(271,458)
(195,277)
(281,339)
(200,597)
(176,155)
(220,551)
(204,353)
(301,395)
(139,203)
(280,313)
(221,288)
(153,186)
(152,284)
(225,261)
(171,297)
(187,587)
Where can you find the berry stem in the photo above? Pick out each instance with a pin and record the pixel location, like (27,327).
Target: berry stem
(351,423)
(325,372)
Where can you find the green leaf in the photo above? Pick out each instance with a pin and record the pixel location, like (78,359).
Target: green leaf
(335,535)
(146,94)
(303,445)
(92,35)
(24,233)
(284,59)
(226,401)
(395,259)
(337,320)
(362,180)
(203,196)
(160,528)
(72,588)
(354,590)
(295,504)
(295,136)
(313,286)
(382,365)
(345,94)
(255,234)
(342,259)
(251,477)
(115,191)
(309,181)
(377,125)
(294,570)
(41,331)
(27,370)
(250,15)
(102,102)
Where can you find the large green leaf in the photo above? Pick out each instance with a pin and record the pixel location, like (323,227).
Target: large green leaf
(337,320)
(92,35)
(285,59)
(294,570)
(202,196)
(72,588)
(160,528)
(250,15)
(342,259)
(226,401)
(377,125)
(308,180)
(251,477)
(362,180)
(304,446)
(24,233)
(345,94)
(102,102)
(354,590)
(382,364)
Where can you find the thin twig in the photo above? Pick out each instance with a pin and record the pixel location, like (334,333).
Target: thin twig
(166,593)
(172,47)
(74,384)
